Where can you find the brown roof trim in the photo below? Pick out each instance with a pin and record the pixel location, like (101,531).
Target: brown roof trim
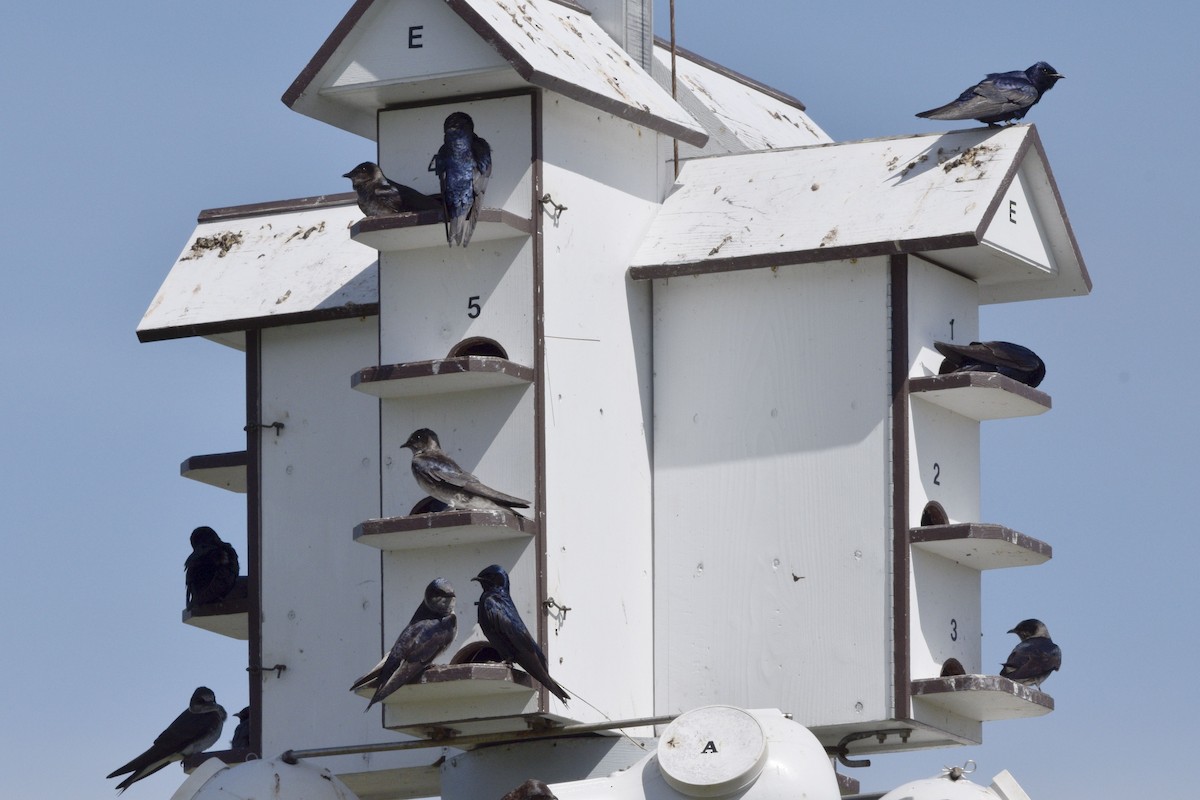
(791,257)
(1036,142)
(348,311)
(277,207)
(326,51)
(571,4)
(745,80)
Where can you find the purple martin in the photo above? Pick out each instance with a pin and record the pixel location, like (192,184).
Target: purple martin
(211,571)
(1017,362)
(379,195)
(532,789)
(503,627)
(463,165)
(438,475)
(1000,97)
(241,734)
(1034,657)
(427,635)
(193,731)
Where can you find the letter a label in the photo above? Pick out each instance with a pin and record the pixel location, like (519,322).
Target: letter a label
(711,747)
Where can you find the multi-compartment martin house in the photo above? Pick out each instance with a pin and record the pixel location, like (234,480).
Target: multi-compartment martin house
(748,484)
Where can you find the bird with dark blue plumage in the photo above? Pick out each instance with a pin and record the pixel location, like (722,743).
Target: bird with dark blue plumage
(211,571)
(1017,362)
(463,165)
(443,479)
(193,731)
(1001,96)
(379,195)
(504,629)
(1034,657)
(427,635)
(241,734)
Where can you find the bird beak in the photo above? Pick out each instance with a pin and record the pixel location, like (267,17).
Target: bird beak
(476,578)
(1058,75)
(347,175)
(1014,630)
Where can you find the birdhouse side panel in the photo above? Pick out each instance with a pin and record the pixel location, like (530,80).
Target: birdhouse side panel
(944,615)
(943,462)
(597,422)
(942,307)
(320,590)
(1017,229)
(773,501)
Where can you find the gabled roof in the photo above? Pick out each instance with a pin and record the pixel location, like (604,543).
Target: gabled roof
(739,113)
(472,47)
(980,202)
(271,264)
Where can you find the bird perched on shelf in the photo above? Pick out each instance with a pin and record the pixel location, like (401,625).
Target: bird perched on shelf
(378,195)
(1017,362)
(211,571)
(532,789)
(463,165)
(427,635)
(438,475)
(504,629)
(241,734)
(1034,657)
(1001,96)
(193,731)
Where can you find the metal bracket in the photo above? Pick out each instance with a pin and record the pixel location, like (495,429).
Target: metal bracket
(258,426)
(547,200)
(841,750)
(277,669)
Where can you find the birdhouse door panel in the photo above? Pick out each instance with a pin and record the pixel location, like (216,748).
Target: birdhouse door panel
(942,307)
(772,491)
(943,462)
(409,138)
(944,615)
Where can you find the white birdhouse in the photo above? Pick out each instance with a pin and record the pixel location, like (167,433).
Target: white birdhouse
(747,484)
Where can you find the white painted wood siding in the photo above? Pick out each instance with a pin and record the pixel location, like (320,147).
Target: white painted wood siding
(772,496)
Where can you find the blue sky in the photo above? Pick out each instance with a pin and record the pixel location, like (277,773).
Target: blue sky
(122,121)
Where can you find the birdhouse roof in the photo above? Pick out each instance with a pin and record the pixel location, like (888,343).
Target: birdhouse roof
(980,202)
(256,266)
(387,52)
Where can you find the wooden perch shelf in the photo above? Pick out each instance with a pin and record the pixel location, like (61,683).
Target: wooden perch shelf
(443,528)
(230,617)
(417,230)
(982,697)
(981,395)
(981,546)
(461,374)
(223,470)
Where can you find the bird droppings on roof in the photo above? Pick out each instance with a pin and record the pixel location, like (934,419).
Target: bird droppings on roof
(221,242)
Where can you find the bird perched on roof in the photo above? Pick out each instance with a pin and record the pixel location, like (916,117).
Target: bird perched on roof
(1034,657)
(193,731)
(211,571)
(438,475)
(1017,362)
(379,195)
(503,627)
(532,789)
(427,635)
(463,165)
(1001,96)
(241,734)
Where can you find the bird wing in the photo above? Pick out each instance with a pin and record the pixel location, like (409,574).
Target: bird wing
(409,199)
(482,153)
(188,730)
(1032,658)
(1000,93)
(1000,354)
(415,649)
(440,470)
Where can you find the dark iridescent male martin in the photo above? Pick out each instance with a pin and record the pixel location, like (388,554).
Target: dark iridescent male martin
(241,734)
(193,731)
(1017,362)
(211,571)
(427,635)
(1001,96)
(532,789)
(378,195)
(439,476)
(463,165)
(1034,657)
(503,627)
